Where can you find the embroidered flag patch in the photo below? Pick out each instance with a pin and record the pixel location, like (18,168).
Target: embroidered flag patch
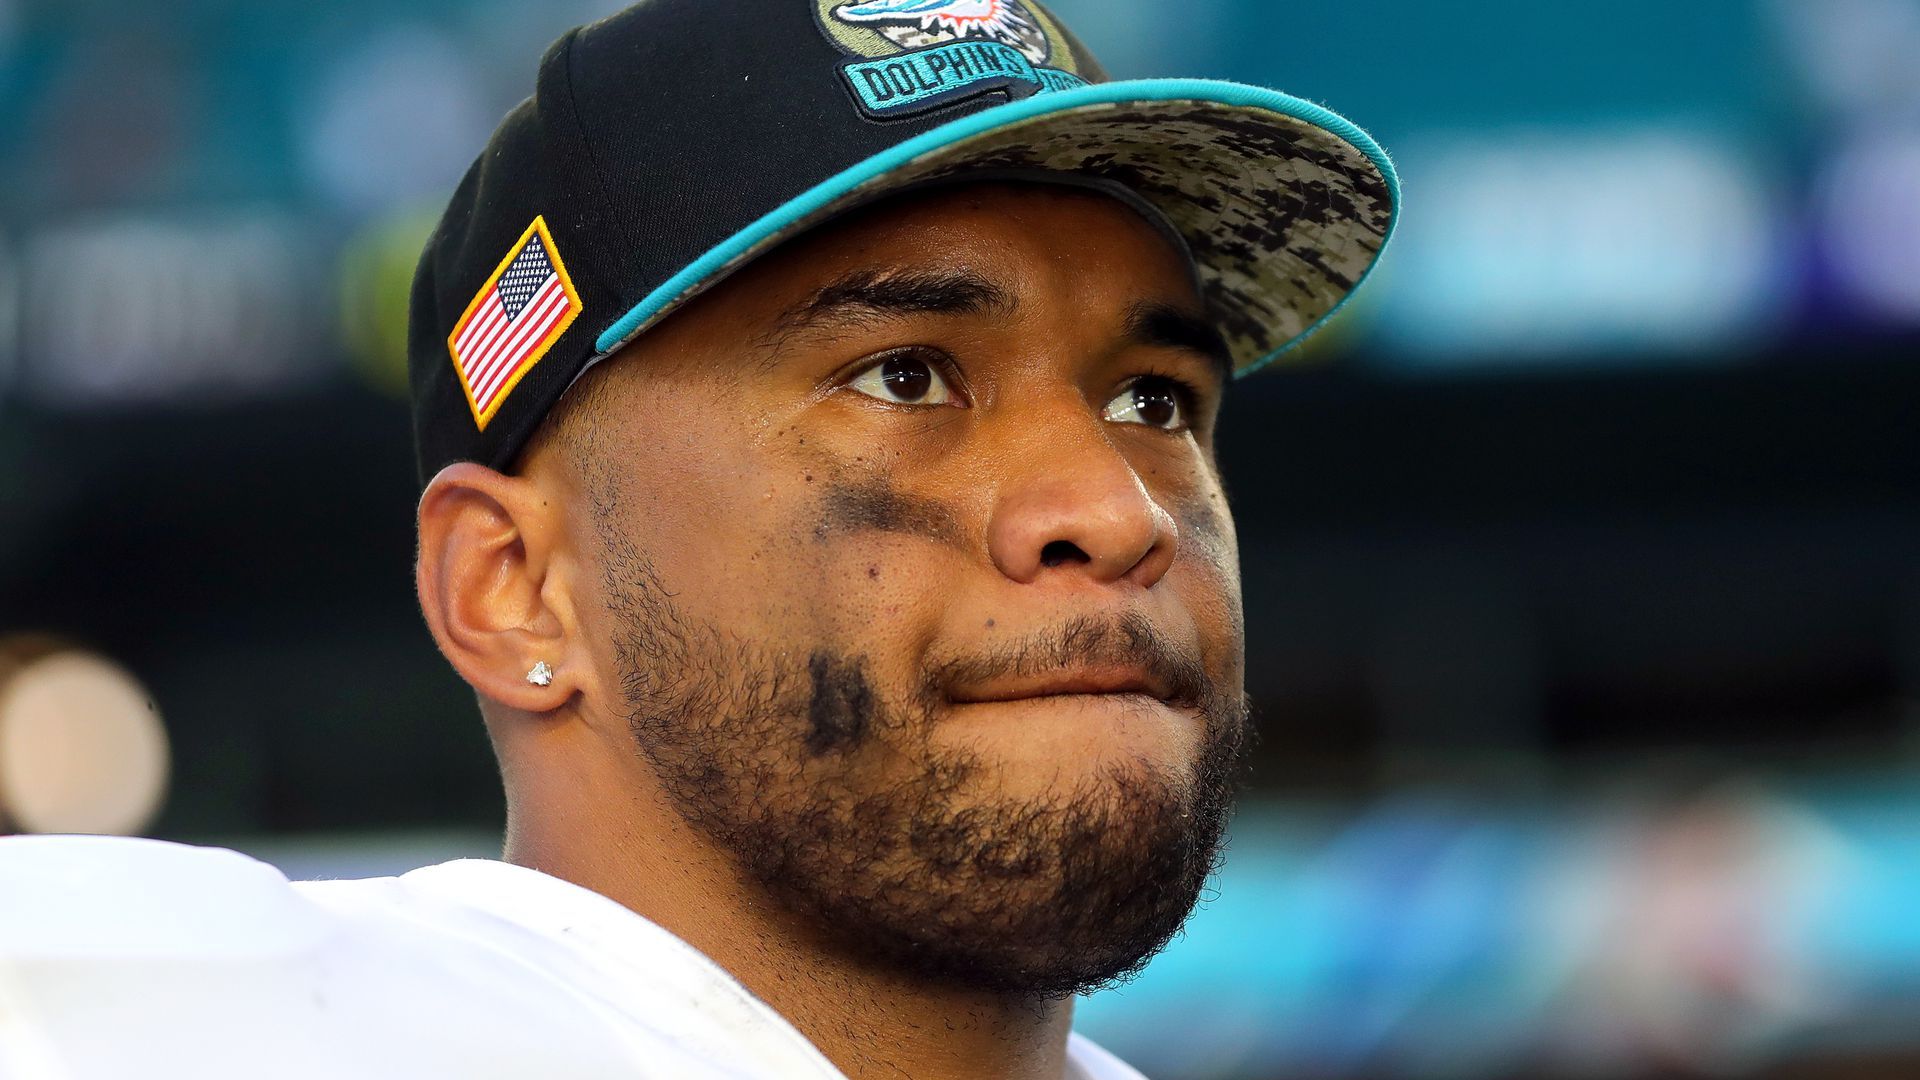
(519,313)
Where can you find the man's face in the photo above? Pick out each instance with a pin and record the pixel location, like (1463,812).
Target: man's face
(915,568)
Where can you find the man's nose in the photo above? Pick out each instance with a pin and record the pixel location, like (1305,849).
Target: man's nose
(1073,505)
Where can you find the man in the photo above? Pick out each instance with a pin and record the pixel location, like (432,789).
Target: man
(816,403)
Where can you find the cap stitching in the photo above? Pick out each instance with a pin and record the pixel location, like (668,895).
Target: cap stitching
(596,173)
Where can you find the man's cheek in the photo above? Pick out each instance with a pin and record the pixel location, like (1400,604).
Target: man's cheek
(878,550)
(880,595)
(854,504)
(1206,528)
(1208,576)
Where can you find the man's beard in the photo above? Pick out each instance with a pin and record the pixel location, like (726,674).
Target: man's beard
(834,798)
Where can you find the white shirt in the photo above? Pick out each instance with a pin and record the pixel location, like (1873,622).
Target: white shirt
(144,960)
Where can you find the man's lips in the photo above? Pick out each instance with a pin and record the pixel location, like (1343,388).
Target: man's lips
(1114,680)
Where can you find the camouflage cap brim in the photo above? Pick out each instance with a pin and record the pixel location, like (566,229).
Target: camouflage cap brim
(1286,207)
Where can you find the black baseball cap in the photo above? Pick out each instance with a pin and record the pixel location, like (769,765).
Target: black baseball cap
(670,144)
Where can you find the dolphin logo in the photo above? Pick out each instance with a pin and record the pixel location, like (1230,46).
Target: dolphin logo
(874,10)
(998,20)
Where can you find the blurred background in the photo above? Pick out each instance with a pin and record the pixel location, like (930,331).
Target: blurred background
(1582,553)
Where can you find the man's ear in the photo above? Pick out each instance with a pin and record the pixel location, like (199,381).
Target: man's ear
(488,545)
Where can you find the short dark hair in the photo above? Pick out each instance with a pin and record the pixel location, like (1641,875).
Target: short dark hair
(572,426)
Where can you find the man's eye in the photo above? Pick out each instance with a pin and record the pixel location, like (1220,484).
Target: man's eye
(904,380)
(1153,400)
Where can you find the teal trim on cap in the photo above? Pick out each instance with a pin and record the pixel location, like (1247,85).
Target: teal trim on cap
(825,193)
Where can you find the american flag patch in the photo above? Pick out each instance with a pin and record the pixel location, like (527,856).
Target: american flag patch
(518,315)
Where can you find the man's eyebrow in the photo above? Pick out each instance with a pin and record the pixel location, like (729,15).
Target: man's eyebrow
(866,295)
(1167,327)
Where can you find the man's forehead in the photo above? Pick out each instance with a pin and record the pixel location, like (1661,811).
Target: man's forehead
(866,296)
(954,248)
(968,222)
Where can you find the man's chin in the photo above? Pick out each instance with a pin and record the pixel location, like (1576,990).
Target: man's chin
(1036,848)
(1044,897)
(1046,744)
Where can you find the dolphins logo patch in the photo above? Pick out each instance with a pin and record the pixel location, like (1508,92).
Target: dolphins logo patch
(912,56)
(908,21)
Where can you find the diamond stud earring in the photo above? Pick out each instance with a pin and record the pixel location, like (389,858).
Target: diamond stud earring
(541,675)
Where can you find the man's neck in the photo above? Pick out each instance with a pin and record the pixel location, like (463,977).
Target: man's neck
(876,1023)
(872,1023)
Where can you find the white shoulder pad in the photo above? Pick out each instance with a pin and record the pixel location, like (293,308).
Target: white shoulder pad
(95,896)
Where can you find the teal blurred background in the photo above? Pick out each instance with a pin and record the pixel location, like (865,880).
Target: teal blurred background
(1582,555)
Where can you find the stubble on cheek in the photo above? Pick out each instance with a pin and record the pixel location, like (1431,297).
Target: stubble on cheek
(856,524)
(819,779)
(843,709)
